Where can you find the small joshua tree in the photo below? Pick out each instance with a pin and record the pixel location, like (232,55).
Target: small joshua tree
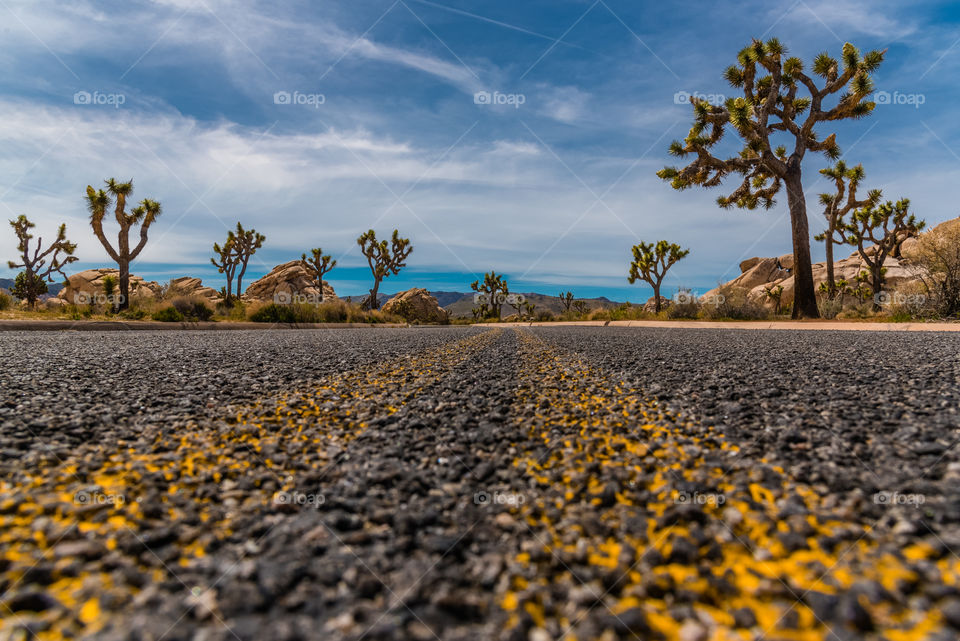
(884,226)
(566,299)
(384,259)
(245,244)
(770,109)
(774,294)
(317,265)
(144,215)
(235,254)
(491,294)
(226,266)
(651,262)
(836,207)
(36,271)
(581,307)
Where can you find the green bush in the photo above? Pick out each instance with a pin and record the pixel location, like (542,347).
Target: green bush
(192,309)
(134,313)
(168,315)
(274,313)
(5,301)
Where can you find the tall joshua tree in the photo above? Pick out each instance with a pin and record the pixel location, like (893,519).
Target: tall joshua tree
(837,206)
(36,272)
(144,215)
(770,109)
(651,262)
(245,244)
(317,265)
(884,226)
(384,259)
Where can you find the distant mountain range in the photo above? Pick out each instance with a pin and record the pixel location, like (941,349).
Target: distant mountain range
(52,288)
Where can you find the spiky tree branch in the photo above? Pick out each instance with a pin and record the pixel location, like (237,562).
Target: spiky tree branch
(491,295)
(37,271)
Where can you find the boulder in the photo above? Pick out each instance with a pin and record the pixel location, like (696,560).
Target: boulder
(288,283)
(651,304)
(416,305)
(193,287)
(86,287)
(749,263)
(785,261)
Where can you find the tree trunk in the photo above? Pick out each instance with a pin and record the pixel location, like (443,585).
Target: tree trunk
(374,304)
(123,253)
(831,281)
(656,297)
(804,295)
(877,281)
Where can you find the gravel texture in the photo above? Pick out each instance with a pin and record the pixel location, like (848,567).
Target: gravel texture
(460,483)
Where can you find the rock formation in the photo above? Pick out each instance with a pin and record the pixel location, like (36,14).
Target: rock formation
(288,283)
(416,305)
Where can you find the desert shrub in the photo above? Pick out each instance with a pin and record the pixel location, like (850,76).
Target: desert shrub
(5,301)
(192,309)
(168,315)
(938,258)
(134,313)
(829,307)
(734,304)
(273,313)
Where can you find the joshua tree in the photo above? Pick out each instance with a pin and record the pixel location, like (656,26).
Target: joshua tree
(383,259)
(491,294)
(581,307)
(651,262)
(144,215)
(769,108)
(774,294)
(245,244)
(227,264)
(836,206)
(885,226)
(317,265)
(566,299)
(36,272)
(234,254)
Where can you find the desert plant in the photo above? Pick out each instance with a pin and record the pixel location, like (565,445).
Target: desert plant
(5,301)
(581,307)
(837,206)
(192,309)
(383,260)
(685,305)
(651,262)
(566,299)
(168,314)
(144,215)
(227,266)
(774,294)
(234,254)
(36,271)
(491,294)
(274,313)
(881,229)
(768,109)
(938,258)
(735,304)
(317,265)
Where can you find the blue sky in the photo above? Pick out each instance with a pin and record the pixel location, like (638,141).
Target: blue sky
(314,121)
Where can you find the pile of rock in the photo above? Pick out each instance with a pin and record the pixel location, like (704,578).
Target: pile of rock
(86,287)
(417,305)
(288,283)
(194,288)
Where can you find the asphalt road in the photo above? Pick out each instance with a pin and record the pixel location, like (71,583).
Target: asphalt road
(462,483)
